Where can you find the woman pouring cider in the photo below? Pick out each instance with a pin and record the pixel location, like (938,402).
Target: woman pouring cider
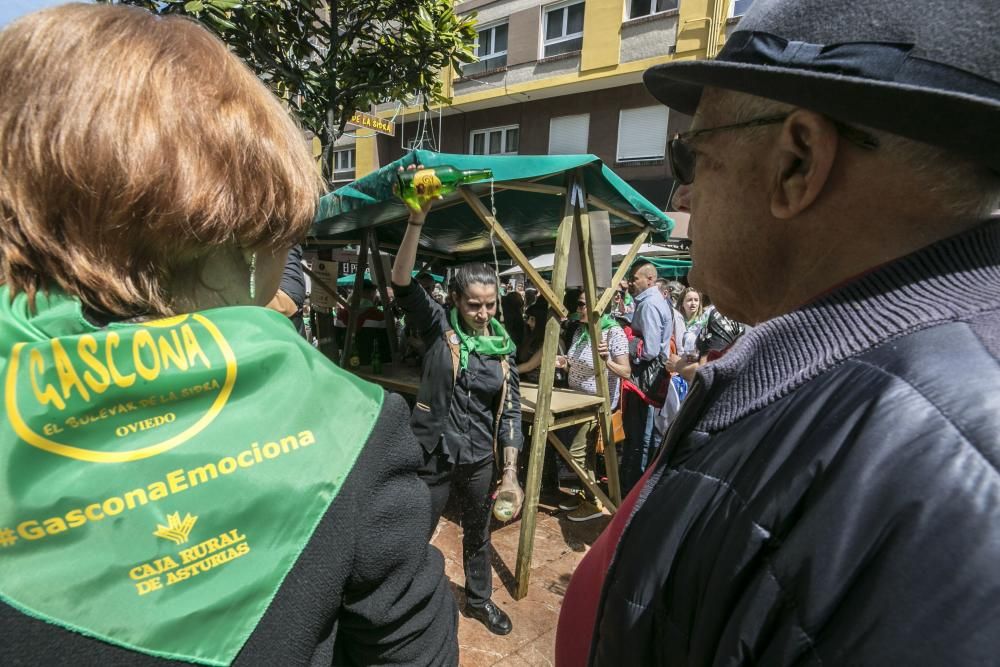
(468,404)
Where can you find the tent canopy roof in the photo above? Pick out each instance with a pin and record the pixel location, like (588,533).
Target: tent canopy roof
(454,232)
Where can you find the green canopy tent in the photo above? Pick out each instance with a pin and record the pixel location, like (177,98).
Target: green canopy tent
(668,267)
(534,204)
(528,193)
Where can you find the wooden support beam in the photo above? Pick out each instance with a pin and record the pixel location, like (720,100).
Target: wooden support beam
(380,277)
(586,248)
(573,420)
(582,474)
(352,317)
(543,412)
(316,280)
(624,215)
(622,271)
(515,252)
(529,186)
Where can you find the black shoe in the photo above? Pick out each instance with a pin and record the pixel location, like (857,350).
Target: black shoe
(492,616)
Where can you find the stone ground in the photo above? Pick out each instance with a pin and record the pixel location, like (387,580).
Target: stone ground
(559,546)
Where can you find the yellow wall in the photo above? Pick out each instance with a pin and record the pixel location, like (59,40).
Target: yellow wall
(693,36)
(599,59)
(365,156)
(602,42)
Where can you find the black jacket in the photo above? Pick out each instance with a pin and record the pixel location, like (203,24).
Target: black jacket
(428,319)
(366,590)
(830,493)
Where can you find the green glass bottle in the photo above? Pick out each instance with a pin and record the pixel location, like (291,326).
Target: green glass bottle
(354,361)
(417,186)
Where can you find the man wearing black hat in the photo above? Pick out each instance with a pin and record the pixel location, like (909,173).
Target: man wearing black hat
(829,493)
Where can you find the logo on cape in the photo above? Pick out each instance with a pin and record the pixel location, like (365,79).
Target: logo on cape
(176,530)
(123,394)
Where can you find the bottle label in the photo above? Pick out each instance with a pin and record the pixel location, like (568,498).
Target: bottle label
(426,183)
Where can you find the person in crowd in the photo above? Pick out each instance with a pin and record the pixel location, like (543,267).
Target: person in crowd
(512,305)
(426,280)
(369,311)
(622,302)
(579,361)
(291,295)
(829,493)
(240,500)
(468,409)
(652,325)
(529,353)
(675,288)
(691,307)
(694,318)
(530,296)
(663,285)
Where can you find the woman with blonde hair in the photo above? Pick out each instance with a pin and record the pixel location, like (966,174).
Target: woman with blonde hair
(185,478)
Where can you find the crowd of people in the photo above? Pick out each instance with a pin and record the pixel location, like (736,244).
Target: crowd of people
(188,480)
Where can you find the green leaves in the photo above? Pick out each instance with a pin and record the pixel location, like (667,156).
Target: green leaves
(379,50)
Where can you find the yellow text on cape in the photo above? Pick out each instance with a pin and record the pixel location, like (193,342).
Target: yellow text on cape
(99,362)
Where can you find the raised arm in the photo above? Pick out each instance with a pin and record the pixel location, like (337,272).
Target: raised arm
(406,257)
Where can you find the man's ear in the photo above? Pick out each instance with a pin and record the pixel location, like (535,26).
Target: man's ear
(804,156)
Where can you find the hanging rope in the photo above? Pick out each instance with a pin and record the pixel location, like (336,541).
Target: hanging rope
(493,243)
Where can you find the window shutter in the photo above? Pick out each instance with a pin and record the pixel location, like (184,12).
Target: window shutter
(568,134)
(642,133)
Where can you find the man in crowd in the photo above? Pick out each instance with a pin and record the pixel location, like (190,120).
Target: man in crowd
(291,295)
(652,324)
(829,493)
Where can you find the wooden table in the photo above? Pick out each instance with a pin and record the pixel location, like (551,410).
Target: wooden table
(565,402)
(567,408)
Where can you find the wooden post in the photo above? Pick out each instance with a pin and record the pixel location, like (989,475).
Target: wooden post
(326,288)
(543,413)
(622,271)
(586,247)
(390,316)
(515,252)
(352,317)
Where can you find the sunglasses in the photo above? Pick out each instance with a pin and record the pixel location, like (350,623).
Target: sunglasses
(682,156)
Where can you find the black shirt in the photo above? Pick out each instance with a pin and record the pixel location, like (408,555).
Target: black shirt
(458,414)
(293,283)
(468,433)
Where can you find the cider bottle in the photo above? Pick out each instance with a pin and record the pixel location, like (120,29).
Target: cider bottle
(354,361)
(417,186)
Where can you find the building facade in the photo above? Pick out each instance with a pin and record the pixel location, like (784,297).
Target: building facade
(560,77)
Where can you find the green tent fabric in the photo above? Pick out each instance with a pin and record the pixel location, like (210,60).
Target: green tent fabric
(667,267)
(348,280)
(453,231)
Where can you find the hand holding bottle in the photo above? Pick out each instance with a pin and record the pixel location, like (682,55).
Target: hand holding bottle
(417,185)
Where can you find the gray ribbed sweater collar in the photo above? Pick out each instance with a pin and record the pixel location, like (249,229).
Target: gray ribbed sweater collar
(904,296)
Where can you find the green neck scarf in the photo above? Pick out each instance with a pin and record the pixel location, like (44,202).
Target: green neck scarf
(497,345)
(605,323)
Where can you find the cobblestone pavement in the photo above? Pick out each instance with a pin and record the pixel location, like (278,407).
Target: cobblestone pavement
(559,546)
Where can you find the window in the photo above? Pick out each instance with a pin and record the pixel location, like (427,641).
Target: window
(739,7)
(494,141)
(491,49)
(642,134)
(344,160)
(568,134)
(563,28)
(639,8)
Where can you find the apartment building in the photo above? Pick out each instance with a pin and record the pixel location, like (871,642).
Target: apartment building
(561,77)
